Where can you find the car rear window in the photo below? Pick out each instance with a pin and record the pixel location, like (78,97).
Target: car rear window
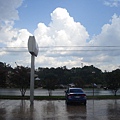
(76,90)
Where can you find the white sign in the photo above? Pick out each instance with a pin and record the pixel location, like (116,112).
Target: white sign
(33,46)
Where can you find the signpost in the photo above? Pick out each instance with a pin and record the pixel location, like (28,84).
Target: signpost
(33,49)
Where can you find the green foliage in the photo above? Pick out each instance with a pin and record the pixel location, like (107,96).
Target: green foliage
(49,82)
(4,70)
(113,80)
(99,97)
(91,74)
(51,77)
(78,76)
(78,82)
(20,78)
(2,76)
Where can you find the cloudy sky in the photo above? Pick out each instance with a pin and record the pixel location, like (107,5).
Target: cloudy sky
(71,33)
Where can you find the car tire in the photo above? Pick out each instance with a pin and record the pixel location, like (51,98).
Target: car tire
(84,103)
(67,103)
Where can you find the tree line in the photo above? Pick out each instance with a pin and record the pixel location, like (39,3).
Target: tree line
(52,78)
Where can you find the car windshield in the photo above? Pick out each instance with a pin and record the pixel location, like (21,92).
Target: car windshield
(76,90)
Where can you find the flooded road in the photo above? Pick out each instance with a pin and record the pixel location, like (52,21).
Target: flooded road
(58,110)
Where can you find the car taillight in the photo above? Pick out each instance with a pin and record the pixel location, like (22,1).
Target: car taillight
(83,95)
(70,96)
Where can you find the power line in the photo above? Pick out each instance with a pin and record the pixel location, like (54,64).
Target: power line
(65,50)
(69,49)
(60,46)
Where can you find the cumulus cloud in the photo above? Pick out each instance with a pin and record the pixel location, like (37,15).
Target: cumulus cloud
(62,30)
(110,33)
(10,36)
(109,41)
(11,39)
(8,9)
(64,41)
(61,33)
(9,13)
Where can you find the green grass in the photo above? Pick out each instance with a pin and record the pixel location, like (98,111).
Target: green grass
(56,97)
(104,97)
(35,97)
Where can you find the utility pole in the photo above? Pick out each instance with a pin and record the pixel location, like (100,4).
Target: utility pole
(93,82)
(33,49)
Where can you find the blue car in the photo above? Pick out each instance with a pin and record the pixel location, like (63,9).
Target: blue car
(75,95)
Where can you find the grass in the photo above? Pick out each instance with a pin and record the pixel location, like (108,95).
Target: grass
(35,97)
(56,97)
(104,97)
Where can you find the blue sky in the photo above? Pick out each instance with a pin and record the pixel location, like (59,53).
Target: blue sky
(92,14)
(75,24)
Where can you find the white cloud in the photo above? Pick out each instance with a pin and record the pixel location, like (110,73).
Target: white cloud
(20,39)
(9,13)
(110,34)
(8,9)
(64,31)
(11,39)
(112,3)
(61,35)
(70,62)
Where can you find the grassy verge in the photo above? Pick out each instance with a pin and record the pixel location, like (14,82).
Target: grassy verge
(35,97)
(56,97)
(104,97)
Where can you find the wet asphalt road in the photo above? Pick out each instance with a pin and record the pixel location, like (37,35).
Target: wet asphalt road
(58,110)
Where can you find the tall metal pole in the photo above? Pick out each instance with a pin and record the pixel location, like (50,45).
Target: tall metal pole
(33,49)
(93,81)
(32,80)
(93,89)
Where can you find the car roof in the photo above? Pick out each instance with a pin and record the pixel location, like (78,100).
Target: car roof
(75,88)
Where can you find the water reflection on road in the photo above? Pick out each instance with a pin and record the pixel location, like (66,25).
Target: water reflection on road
(58,110)
(76,112)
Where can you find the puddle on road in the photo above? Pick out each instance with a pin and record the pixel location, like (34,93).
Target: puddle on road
(58,110)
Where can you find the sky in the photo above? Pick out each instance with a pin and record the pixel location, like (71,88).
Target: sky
(71,33)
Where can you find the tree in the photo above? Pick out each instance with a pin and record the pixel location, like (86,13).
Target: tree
(20,78)
(49,82)
(4,70)
(113,80)
(2,75)
(88,76)
(78,82)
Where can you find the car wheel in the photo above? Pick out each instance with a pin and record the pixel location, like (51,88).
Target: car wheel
(84,103)
(67,103)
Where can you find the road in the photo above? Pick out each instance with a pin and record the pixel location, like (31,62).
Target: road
(58,110)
